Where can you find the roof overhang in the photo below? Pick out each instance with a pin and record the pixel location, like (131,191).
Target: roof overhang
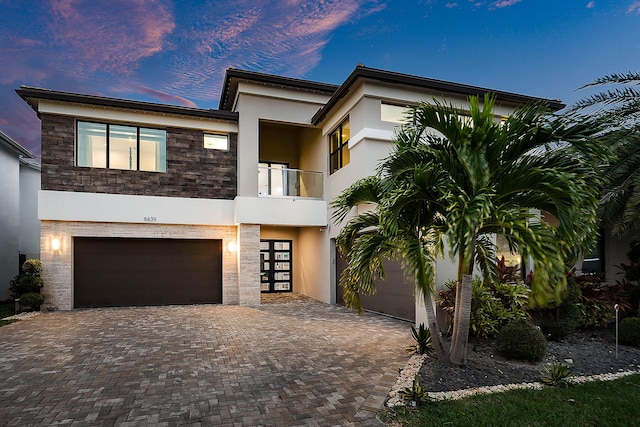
(32,96)
(362,73)
(233,76)
(11,145)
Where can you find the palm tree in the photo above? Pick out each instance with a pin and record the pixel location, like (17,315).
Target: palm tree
(618,112)
(452,181)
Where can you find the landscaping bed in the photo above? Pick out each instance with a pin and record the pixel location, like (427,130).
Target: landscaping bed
(590,352)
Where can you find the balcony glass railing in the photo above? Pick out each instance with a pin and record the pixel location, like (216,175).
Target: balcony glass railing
(277,180)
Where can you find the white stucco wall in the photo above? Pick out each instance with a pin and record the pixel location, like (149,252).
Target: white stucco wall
(258,104)
(101,207)
(9,218)
(29,237)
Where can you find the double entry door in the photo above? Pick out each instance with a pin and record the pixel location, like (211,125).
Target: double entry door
(275,266)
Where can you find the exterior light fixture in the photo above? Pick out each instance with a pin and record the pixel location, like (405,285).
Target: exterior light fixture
(232,246)
(55,244)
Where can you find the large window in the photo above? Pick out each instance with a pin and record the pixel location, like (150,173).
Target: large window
(339,155)
(102,145)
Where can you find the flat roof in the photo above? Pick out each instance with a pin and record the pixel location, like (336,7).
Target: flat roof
(234,75)
(32,94)
(443,87)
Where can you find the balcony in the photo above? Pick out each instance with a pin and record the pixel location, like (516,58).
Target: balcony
(279,181)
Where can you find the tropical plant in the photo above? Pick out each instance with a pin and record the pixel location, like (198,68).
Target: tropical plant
(416,395)
(452,182)
(618,111)
(561,318)
(598,299)
(556,374)
(422,336)
(492,306)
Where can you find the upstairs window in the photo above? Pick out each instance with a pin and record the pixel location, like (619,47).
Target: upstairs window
(394,113)
(216,142)
(339,155)
(101,145)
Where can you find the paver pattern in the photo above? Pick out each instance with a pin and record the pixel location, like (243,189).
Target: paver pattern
(284,363)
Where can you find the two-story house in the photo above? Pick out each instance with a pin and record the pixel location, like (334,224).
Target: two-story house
(144,203)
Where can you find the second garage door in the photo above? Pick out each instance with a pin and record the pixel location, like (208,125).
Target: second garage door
(393,295)
(130,272)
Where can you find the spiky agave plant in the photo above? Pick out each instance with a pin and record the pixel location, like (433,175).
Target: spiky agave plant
(422,336)
(556,374)
(417,395)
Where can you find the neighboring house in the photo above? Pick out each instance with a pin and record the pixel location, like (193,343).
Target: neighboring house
(19,225)
(145,203)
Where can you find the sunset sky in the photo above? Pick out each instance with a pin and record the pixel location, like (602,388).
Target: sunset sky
(176,52)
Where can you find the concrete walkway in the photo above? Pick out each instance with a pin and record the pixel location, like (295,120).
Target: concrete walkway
(285,363)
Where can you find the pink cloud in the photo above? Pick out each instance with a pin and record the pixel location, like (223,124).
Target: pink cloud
(278,37)
(22,60)
(111,37)
(505,3)
(634,9)
(166,97)
(28,42)
(451,5)
(591,5)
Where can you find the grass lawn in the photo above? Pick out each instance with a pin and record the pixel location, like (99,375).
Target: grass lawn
(6,309)
(598,403)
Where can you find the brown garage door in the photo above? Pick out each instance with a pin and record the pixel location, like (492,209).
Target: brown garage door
(124,272)
(393,295)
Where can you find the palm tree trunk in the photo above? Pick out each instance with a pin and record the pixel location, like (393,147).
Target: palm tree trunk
(461,322)
(436,338)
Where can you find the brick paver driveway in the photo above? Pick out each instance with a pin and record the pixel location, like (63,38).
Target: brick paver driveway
(295,363)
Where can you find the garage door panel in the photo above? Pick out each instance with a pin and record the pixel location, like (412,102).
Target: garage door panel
(394,296)
(124,272)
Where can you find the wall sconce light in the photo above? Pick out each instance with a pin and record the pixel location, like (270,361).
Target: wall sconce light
(55,244)
(232,246)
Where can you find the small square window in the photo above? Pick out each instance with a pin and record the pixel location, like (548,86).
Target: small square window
(216,142)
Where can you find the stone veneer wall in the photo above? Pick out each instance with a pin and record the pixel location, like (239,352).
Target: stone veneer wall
(249,264)
(239,285)
(192,170)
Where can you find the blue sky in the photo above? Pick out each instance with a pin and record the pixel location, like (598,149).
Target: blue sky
(176,52)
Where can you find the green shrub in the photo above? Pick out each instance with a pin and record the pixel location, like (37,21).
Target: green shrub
(629,331)
(31,299)
(492,306)
(32,267)
(521,340)
(25,284)
(562,319)
(29,281)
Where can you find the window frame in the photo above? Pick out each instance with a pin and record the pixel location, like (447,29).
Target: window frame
(138,129)
(213,134)
(271,171)
(342,144)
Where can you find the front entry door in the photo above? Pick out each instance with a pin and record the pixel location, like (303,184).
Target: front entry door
(275,266)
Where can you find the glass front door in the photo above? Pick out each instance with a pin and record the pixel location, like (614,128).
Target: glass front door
(275,266)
